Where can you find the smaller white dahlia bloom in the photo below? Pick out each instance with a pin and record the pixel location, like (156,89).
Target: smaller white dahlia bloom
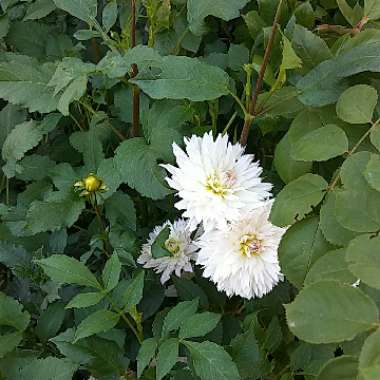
(179,244)
(216,181)
(242,259)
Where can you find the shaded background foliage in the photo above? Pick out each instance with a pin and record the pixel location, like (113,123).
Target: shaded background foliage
(73,302)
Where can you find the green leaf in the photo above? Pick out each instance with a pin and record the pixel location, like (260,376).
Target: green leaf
(70,81)
(116,65)
(158,246)
(14,256)
(254,22)
(331,266)
(342,368)
(134,292)
(305,122)
(184,78)
(357,104)
(352,171)
(369,359)
(290,59)
(372,172)
(288,168)
(85,10)
(274,335)
(54,215)
(312,146)
(372,9)
(124,216)
(309,47)
(358,210)
(50,321)
(198,10)
(364,260)
(109,174)
(49,368)
(324,84)
(89,143)
(68,270)
(21,139)
(300,247)
(137,164)
(163,125)
(35,167)
(198,325)
(39,9)
(329,312)
(4,26)
(98,322)
(188,290)
(375,137)
(38,40)
(9,341)
(85,300)
(311,357)
(109,15)
(249,358)
(305,15)
(86,34)
(352,15)
(332,230)
(167,357)
(146,354)
(111,273)
(11,313)
(178,314)
(24,81)
(297,198)
(10,116)
(211,362)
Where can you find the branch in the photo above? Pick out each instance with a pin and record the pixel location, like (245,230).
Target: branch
(341,30)
(135,90)
(253,103)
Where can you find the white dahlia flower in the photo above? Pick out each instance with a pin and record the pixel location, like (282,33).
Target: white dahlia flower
(242,259)
(216,181)
(179,244)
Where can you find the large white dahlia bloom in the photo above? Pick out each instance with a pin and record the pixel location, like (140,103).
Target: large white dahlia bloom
(216,181)
(242,259)
(179,244)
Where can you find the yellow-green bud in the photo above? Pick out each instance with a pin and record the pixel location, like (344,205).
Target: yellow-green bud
(92,183)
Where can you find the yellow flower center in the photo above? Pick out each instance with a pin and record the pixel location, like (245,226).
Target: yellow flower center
(250,245)
(220,185)
(92,183)
(173,246)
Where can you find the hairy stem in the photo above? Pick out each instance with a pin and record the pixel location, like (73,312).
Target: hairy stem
(253,103)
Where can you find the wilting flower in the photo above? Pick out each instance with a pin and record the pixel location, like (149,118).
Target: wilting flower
(179,245)
(90,185)
(242,259)
(216,181)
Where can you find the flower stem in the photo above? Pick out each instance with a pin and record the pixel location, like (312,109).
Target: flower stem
(253,103)
(121,313)
(94,204)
